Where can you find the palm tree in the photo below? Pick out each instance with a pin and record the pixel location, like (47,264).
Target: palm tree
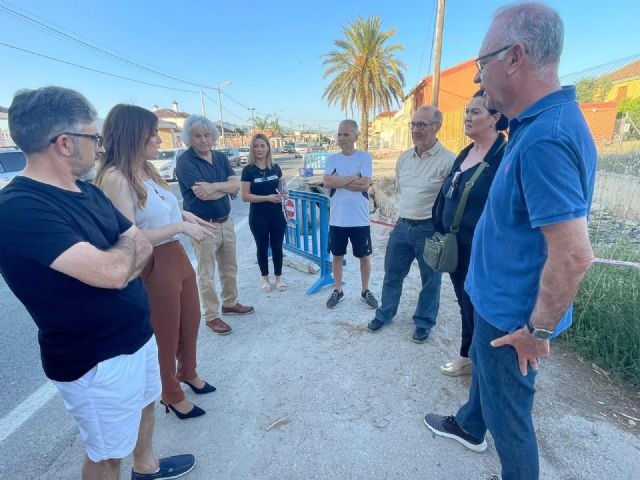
(275,125)
(262,123)
(368,75)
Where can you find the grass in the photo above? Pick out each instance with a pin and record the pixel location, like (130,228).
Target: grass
(606,318)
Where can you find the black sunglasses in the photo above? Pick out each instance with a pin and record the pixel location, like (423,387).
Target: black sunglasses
(99,139)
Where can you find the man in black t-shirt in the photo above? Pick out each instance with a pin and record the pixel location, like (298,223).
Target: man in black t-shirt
(73,260)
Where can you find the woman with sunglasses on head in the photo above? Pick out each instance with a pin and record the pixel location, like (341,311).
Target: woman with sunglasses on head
(127,177)
(484,127)
(262,186)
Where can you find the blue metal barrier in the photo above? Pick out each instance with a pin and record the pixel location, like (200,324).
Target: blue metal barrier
(308,236)
(313,164)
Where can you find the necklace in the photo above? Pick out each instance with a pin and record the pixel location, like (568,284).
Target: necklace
(153,185)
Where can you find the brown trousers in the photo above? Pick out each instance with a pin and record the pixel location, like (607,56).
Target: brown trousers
(175,316)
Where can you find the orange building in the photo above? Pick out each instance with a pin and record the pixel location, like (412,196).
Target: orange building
(456,88)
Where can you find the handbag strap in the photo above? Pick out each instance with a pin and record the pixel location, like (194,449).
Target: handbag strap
(465,194)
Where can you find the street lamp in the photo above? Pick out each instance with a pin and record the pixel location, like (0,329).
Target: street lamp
(219,88)
(253,120)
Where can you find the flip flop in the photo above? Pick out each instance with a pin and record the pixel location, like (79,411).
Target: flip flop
(265,287)
(281,286)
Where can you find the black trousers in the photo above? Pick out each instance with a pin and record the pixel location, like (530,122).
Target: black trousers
(268,231)
(466,307)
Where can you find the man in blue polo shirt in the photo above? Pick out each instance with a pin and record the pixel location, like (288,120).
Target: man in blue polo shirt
(531,248)
(206,181)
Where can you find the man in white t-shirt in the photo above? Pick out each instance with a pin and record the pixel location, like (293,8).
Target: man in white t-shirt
(348,175)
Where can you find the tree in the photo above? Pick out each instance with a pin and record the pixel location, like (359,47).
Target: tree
(275,125)
(262,123)
(593,89)
(368,75)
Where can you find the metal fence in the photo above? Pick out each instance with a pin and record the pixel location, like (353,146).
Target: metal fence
(609,97)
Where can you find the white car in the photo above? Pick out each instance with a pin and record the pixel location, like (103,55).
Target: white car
(165,163)
(12,162)
(301,149)
(244,154)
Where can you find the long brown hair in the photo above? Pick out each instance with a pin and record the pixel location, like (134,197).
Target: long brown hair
(127,130)
(252,156)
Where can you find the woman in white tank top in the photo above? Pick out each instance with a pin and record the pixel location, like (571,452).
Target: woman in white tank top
(134,186)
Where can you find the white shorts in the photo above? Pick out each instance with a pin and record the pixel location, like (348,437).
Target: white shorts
(107,401)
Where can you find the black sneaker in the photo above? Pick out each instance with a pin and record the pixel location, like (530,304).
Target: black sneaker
(447,427)
(375,325)
(334,299)
(420,335)
(368,298)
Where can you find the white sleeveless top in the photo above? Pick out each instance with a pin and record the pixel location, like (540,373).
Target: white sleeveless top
(161,209)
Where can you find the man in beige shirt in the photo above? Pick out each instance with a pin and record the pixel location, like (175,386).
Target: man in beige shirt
(420,172)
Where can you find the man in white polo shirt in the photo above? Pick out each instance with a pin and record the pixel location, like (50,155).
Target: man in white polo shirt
(348,175)
(420,172)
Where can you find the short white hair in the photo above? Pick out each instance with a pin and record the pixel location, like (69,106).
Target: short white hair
(352,123)
(437,114)
(538,27)
(198,121)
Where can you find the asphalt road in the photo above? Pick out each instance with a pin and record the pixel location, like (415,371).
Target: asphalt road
(34,427)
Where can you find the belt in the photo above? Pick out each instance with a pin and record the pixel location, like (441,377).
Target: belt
(412,222)
(216,220)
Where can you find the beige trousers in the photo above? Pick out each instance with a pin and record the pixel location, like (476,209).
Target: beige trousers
(220,250)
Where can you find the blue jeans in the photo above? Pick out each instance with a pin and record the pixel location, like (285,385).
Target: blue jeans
(406,244)
(500,399)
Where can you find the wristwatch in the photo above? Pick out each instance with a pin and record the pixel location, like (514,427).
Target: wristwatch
(539,333)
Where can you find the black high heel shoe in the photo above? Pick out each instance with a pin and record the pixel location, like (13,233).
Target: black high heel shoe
(202,390)
(196,411)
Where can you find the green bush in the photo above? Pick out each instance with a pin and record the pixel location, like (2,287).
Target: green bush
(606,318)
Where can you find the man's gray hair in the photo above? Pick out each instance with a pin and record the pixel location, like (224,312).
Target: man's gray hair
(36,116)
(198,121)
(437,114)
(352,123)
(539,28)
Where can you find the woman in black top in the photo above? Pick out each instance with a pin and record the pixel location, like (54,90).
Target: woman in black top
(260,182)
(483,126)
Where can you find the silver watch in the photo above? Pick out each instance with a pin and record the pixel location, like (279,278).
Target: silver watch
(539,333)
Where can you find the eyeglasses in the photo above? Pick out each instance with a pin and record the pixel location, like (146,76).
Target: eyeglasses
(481,62)
(99,139)
(454,184)
(420,125)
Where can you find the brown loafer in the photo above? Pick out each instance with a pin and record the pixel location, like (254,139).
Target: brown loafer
(237,309)
(218,326)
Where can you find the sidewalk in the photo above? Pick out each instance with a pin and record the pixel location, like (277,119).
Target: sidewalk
(308,393)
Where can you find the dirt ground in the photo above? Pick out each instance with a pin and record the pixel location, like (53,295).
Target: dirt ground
(308,393)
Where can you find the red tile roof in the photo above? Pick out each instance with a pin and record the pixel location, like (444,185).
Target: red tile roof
(628,71)
(168,113)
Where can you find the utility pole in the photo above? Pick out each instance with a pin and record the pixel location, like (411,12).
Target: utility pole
(437,50)
(202,103)
(219,88)
(253,120)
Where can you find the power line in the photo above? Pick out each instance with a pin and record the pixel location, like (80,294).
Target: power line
(95,70)
(228,111)
(48,29)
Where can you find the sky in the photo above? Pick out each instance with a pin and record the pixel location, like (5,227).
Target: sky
(269,50)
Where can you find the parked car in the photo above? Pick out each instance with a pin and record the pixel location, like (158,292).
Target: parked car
(232,154)
(301,149)
(12,162)
(165,163)
(244,154)
(288,148)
